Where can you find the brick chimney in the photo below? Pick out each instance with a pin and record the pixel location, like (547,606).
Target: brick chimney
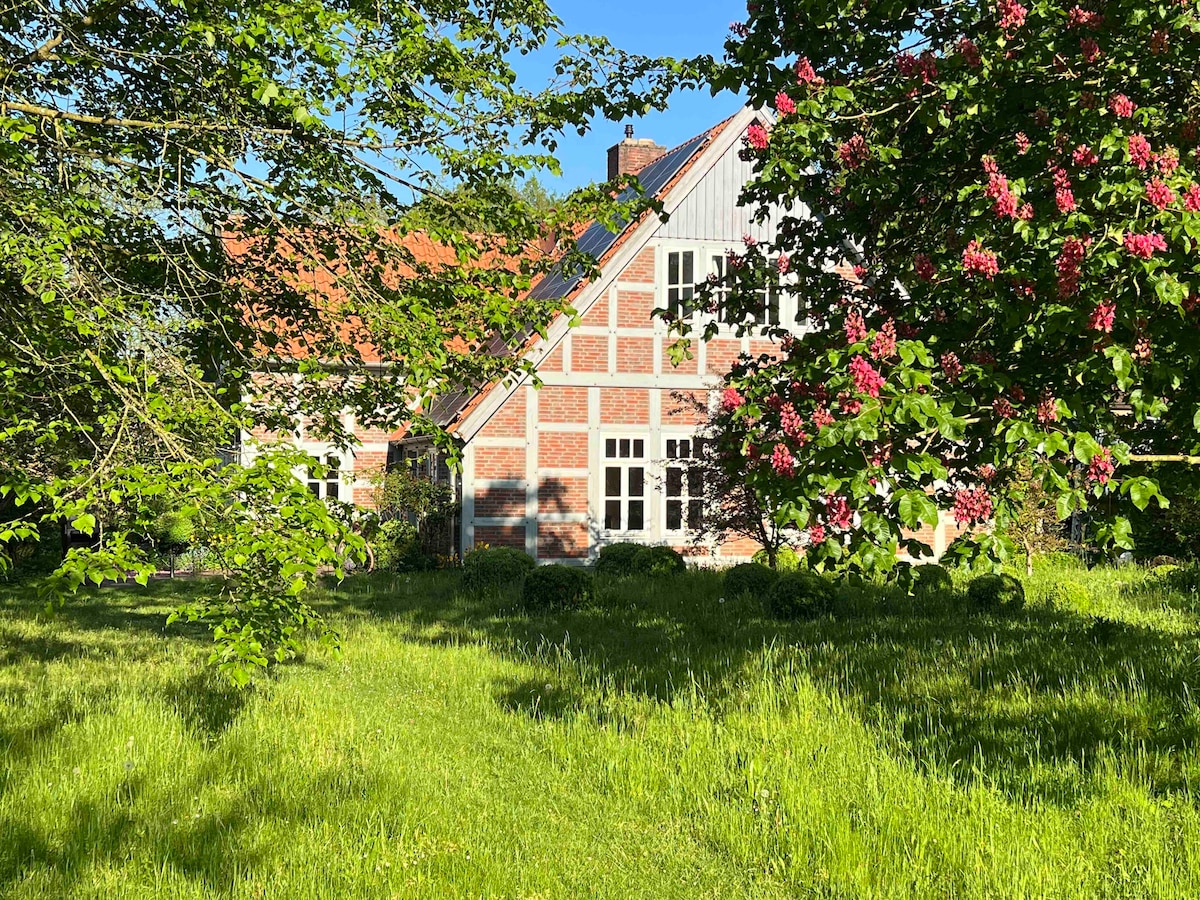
(632,154)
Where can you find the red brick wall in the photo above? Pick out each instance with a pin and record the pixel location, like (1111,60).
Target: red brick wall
(598,314)
(563,495)
(499,462)
(491,502)
(509,419)
(553,362)
(635,354)
(501,535)
(641,268)
(722,354)
(562,449)
(624,406)
(682,411)
(687,366)
(557,403)
(589,353)
(634,309)
(562,539)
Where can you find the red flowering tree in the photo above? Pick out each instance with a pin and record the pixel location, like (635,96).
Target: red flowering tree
(1017,191)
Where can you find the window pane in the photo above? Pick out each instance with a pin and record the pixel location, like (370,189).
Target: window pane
(612,514)
(685,449)
(639,448)
(612,481)
(331,490)
(695,482)
(610,448)
(672,268)
(636,515)
(637,481)
(333,462)
(314,488)
(674,515)
(773,306)
(671,449)
(695,514)
(624,448)
(688,275)
(674,481)
(718,264)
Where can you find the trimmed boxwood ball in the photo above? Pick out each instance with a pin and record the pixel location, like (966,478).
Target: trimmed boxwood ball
(800,595)
(616,560)
(495,569)
(996,592)
(749,580)
(556,587)
(931,579)
(658,561)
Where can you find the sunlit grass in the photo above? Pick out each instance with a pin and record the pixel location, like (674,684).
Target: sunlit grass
(665,742)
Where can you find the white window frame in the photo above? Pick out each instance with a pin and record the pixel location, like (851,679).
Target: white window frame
(707,254)
(335,477)
(685,498)
(625,497)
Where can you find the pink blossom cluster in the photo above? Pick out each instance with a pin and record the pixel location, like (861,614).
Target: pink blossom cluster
(739,29)
(1023,143)
(970,53)
(1002,408)
(951,367)
(757,137)
(1011,15)
(924,266)
(1006,200)
(884,344)
(1102,316)
(783,262)
(1101,469)
(1140,153)
(972,505)
(821,417)
(978,261)
(1047,409)
(793,424)
(856,328)
(782,461)
(923,67)
(838,513)
(1191,198)
(854,152)
(867,379)
(784,105)
(1121,106)
(1159,42)
(816,535)
(1084,156)
(805,74)
(1143,246)
(1069,259)
(849,405)
(1090,49)
(987,472)
(1079,17)
(1159,194)
(731,399)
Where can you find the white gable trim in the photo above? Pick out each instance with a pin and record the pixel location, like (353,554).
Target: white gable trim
(637,242)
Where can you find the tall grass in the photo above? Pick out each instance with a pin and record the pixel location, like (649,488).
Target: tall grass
(664,742)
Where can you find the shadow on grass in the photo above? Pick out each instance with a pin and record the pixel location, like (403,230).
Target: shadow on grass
(1032,702)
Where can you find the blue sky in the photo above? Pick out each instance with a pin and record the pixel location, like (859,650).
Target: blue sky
(676,28)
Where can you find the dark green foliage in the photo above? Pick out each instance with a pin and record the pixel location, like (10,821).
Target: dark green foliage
(749,580)
(398,548)
(931,579)
(495,569)
(992,592)
(786,559)
(658,561)
(617,559)
(173,531)
(556,587)
(800,595)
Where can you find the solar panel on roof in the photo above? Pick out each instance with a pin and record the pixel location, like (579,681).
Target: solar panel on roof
(596,240)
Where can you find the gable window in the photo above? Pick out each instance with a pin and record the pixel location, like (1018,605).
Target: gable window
(681,282)
(326,486)
(624,484)
(684,484)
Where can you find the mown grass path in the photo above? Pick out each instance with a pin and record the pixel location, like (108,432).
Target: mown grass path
(661,744)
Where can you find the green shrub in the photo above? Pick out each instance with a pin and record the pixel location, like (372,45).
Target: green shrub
(800,595)
(931,579)
(786,559)
(749,580)
(616,560)
(173,531)
(495,569)
(1185,579)
(398,548)
(991,592)
(658,561)
(557,587)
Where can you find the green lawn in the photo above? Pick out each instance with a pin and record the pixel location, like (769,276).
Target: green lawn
(662,744)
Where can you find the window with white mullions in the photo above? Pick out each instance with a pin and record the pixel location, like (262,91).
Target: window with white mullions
(684,483)
(326,486)
(681,282)
(624,484)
